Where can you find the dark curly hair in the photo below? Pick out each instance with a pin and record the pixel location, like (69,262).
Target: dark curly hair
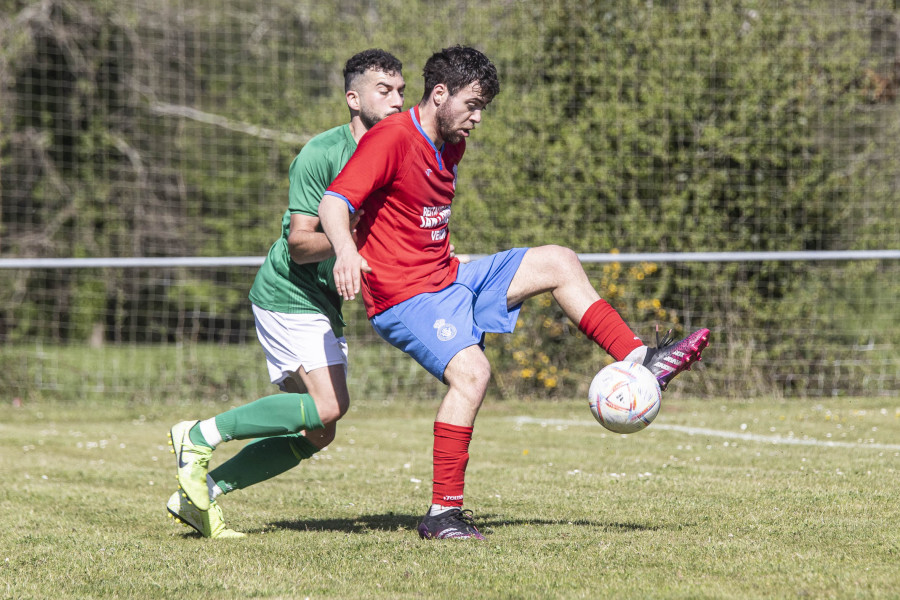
(457,67)
(374,58)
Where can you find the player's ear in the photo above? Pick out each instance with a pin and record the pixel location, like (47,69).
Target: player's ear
(439,94)
(352,99)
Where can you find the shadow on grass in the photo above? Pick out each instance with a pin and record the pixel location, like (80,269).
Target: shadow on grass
(401,522)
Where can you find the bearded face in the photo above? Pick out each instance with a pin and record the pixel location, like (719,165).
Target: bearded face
(459,114)
(447,128)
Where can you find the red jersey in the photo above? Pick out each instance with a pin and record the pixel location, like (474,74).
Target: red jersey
(406,186)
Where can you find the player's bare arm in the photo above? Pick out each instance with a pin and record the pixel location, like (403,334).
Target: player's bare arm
(309,245)
(335,220)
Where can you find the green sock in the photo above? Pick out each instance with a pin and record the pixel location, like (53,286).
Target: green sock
(262,459)
(270,416)
(196,436)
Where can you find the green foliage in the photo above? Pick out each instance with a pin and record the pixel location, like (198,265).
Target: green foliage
(150,130)
(699,127)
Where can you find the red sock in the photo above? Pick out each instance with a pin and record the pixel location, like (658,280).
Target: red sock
(603,324)
(451,455)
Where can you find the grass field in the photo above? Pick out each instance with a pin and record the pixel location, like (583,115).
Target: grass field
(772,499)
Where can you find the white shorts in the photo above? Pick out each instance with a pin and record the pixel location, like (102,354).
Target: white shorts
(291,341)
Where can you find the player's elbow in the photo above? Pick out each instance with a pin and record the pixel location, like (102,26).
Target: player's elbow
(331,207)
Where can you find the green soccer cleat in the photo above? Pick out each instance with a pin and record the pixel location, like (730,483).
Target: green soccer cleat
(186,513)
(209,523)
(216,522)
(193,464)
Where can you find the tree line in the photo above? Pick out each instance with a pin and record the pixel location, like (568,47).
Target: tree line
(156,130)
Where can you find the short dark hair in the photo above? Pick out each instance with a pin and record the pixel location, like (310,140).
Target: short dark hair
(374,58)
(459,66)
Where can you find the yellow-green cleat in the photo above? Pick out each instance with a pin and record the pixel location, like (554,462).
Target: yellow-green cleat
(209,523)
(192,461)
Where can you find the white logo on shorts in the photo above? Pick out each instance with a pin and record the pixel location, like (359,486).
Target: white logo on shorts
(445,331)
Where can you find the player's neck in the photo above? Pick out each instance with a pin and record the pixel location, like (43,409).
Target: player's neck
(428,121)
(357,128)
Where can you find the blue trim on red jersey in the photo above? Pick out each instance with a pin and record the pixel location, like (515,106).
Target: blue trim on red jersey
(437,153)
(336,195)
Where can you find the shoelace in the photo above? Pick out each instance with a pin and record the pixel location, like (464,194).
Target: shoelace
(667,340)
(467,517)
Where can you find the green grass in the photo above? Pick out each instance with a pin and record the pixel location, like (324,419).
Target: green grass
(226,373)
(569,510)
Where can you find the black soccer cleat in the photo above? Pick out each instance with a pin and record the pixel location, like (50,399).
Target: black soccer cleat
(454,523)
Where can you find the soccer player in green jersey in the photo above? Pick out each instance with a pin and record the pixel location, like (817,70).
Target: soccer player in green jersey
(298,321)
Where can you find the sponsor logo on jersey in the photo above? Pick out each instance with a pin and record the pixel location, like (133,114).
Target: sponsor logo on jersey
(434,216)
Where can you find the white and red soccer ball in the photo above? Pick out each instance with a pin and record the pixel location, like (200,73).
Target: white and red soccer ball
(624,397)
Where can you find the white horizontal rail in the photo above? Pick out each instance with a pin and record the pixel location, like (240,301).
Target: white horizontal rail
(104,263)
(656,257)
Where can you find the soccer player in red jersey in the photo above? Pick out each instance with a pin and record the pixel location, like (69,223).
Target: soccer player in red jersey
(421,299)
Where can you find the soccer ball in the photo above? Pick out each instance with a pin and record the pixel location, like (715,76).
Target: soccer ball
(624,397)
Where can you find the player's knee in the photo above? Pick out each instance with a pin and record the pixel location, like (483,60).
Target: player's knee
(563,258)
(555,264)
(332,412)
(469,371)
(331,407)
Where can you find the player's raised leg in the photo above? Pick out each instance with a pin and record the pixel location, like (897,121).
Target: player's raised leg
(558,270)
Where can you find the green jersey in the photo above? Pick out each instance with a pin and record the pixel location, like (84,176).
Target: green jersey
(281,285)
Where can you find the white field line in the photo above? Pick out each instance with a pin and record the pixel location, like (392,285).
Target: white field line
(733,435)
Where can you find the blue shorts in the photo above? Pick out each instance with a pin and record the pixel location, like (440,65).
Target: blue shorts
(434,327)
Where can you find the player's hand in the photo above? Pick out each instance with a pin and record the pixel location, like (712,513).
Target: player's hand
(347,269)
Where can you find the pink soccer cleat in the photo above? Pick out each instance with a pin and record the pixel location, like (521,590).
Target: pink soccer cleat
(670,358)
